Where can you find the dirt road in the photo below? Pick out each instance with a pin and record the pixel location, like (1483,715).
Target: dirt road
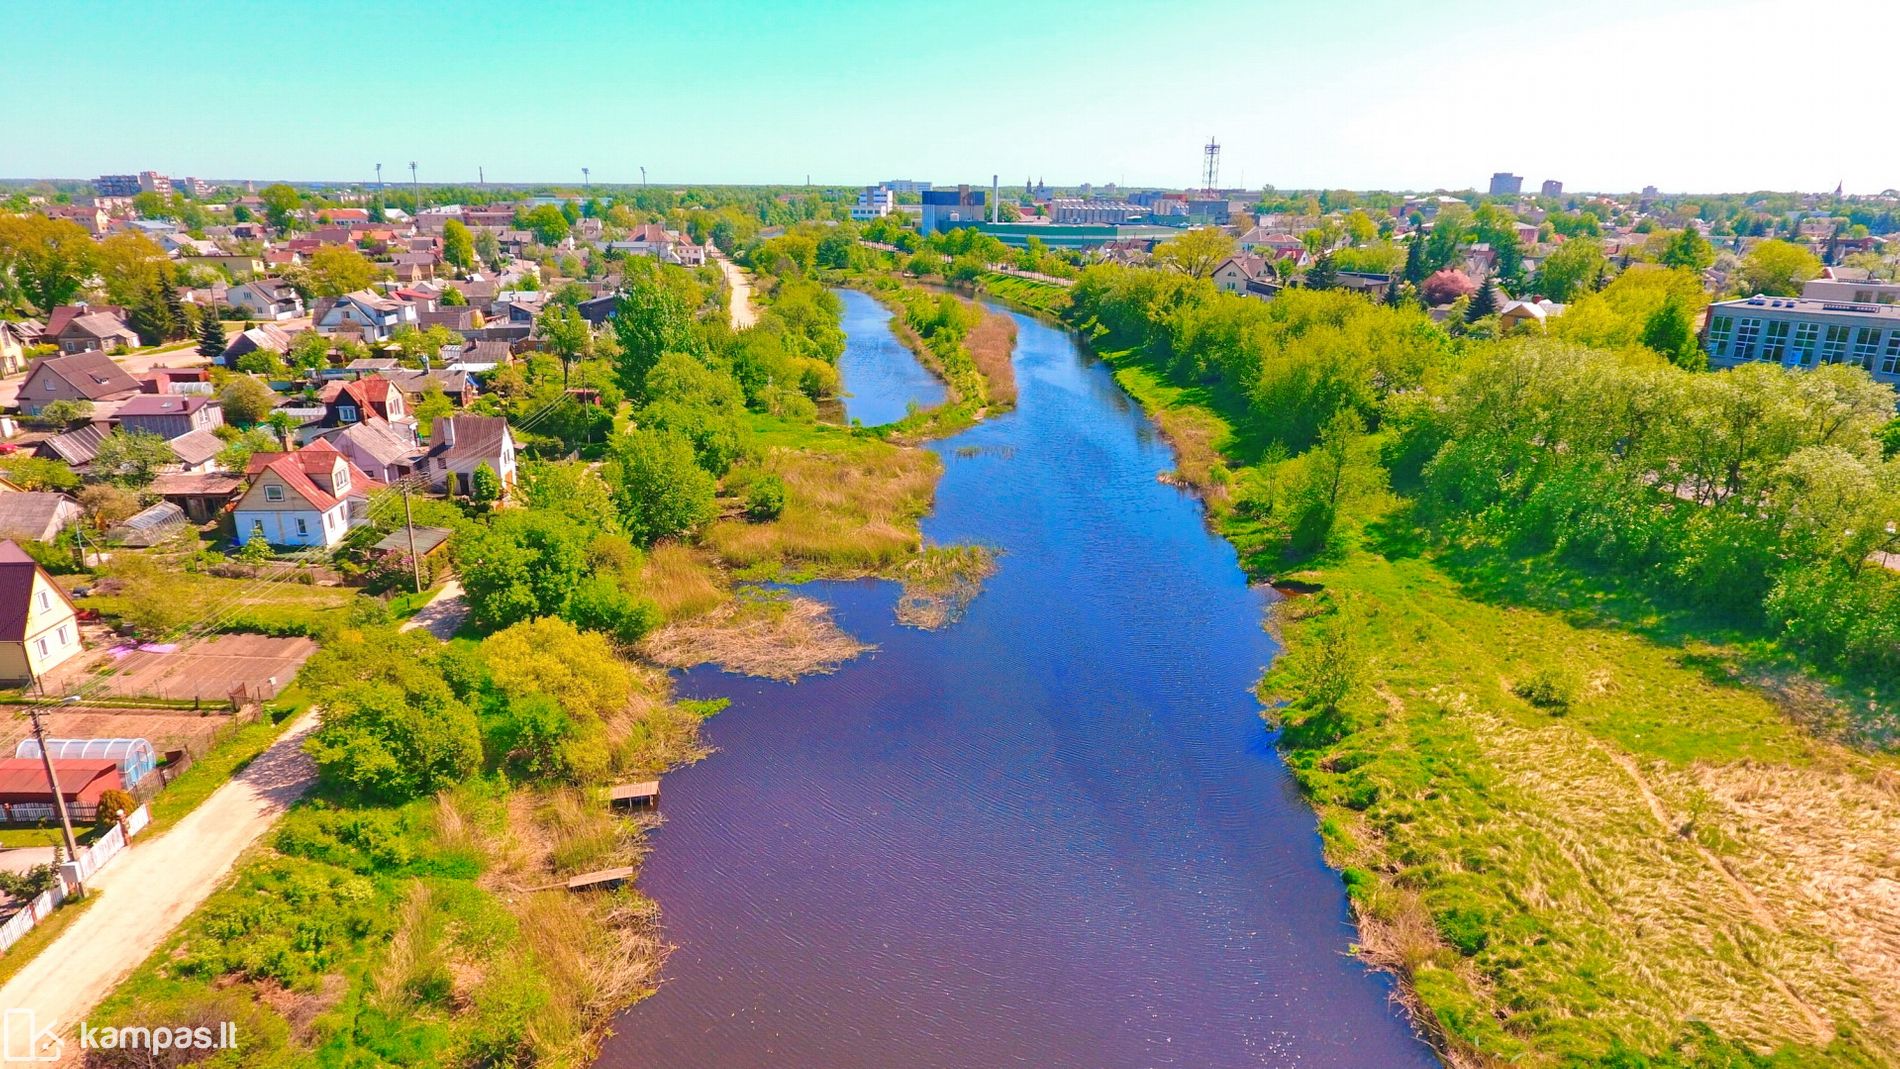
(744,314)
(148,890)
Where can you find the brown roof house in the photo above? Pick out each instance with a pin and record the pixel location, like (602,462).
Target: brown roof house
(169,415)
(308,498)
(39,626)
(101,331)
(460,444)
(81,377)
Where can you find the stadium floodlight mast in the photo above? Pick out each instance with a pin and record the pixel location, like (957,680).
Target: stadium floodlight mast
(587,178)
(415,187)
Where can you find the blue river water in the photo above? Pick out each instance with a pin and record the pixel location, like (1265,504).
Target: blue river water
(882,378)
(1054,834)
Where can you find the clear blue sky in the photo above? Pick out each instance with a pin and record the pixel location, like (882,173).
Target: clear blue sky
(1346,93)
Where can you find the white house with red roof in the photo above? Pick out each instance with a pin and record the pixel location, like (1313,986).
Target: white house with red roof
(311,497)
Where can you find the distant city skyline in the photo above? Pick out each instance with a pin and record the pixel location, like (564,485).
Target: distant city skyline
(1357,94)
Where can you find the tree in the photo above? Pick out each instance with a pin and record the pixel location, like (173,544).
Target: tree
(65,413)
(309,351)
(129,265)
(452,298)
(1484,302)
(485,485)
(335,270)
(659,486)
(38,473)
(151,317)
(1670,330)
(211,340)
(488,248)
(395,736)
(280,203)
(652,319)
(1777,268)
(524,563)
(1688,248)
(547,222)
(50,259)
(458,245)
(132,458)
(1196,252)
(1573,268)
(1416,269)
(1444,287)
(246,400)
(567,335)
(434,404)
(1323,275)
(237,453)
(107,503)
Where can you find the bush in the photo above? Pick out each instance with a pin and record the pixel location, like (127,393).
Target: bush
(113,802)
(1550,689)
(766,500)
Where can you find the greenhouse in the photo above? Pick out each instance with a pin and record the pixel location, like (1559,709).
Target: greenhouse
(135,756)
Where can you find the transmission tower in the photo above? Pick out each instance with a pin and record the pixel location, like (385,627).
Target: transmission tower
(1210,165)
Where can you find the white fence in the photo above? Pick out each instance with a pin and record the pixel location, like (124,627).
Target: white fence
(71,874)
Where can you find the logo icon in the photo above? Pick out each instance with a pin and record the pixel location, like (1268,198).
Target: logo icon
(23,1040)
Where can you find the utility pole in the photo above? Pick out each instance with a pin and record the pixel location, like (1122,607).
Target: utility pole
(52,780)
(409,521)
(415,187)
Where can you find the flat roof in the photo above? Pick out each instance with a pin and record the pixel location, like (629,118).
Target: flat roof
(427,539)
(1810,306)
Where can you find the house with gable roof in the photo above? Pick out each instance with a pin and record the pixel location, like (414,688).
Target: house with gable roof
(80,377)
(369,315)
(39,625)
(311,497)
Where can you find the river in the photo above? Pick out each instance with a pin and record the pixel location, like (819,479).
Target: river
(882,380)
(1055,834)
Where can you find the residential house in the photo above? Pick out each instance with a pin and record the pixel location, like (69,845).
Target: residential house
(385,452)
(1528,314)
(600,309)
(58,319)
(311,497)
(39,624)
(1233,273)
(458,386)
(170,415)
(460,444)
(669,246)
(347,402)
(455,317)
(266,298)
(36,515)
(15,339)
(80,377)
(264,338)
(95,331)
(369,315)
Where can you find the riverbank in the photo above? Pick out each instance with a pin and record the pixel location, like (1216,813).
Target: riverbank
(1577,827)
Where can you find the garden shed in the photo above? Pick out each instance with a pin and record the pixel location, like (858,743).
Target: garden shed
(136,758)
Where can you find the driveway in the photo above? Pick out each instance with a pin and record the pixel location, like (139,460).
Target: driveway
(443,615)
(149,889)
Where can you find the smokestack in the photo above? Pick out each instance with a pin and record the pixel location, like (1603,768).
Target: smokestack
(996,208)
